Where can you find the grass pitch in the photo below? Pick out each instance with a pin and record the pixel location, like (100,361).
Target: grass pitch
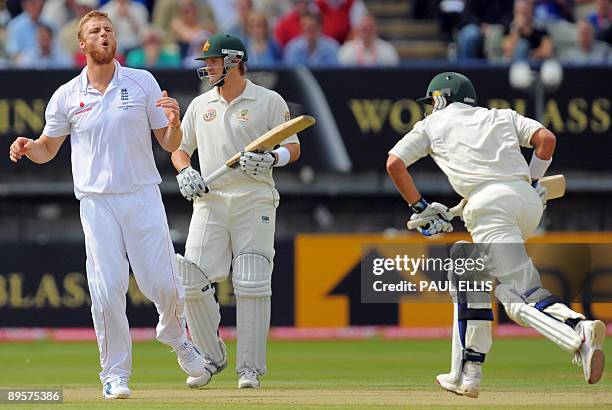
(313,374)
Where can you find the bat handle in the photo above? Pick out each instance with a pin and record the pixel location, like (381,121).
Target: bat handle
(455,211)
(218,173)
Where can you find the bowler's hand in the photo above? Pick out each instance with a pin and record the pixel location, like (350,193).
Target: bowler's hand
(171,109)
(20,147)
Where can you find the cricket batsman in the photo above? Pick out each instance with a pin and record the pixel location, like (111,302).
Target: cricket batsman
(479,151)
(233,220)
(109,112)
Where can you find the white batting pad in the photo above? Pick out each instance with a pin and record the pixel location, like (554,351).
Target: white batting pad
(558,332)
(252,277)
(203,316)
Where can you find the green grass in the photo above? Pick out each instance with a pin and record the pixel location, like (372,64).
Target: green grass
(514,365)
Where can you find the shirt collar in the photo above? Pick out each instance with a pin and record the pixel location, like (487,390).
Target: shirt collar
(249,93)
(117,77)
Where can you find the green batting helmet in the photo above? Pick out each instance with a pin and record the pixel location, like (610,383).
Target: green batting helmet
(223,45)
(456,87)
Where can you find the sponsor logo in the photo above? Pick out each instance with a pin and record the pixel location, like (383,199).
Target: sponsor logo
(243,115)
(210,115)
(469,100)
(83,110)
(265,219)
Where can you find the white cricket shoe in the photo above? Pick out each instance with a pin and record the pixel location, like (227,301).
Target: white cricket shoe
(211,367)
(469,384)
(590,354)
(190,360)
(447,382)
(249,378)
(116,389)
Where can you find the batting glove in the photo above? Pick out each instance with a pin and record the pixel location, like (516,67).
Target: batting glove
(257,164)
(540,190)
(439,103)
(438,217)
(191,184)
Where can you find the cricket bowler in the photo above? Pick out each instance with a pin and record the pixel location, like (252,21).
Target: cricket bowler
(233,220)
(109,112)
(479,151)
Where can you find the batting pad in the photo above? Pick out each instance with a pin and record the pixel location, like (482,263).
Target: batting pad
(251,278)
(203,315)
(252,325)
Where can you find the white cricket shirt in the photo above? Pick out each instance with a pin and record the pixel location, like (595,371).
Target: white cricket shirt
(110,134)
(472,145)
(219,130)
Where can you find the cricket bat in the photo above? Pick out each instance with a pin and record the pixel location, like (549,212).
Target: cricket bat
(554,184)
(266,142)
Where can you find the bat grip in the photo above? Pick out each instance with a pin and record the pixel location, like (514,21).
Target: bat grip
(218,173)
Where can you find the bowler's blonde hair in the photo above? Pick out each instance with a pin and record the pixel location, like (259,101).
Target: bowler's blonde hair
(90,16)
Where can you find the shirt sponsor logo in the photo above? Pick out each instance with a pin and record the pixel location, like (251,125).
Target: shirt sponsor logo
(210,115)
(243,115)
(265,219)
(83,110)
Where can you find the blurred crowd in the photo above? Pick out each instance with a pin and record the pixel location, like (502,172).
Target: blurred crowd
(42,34)
(576,31)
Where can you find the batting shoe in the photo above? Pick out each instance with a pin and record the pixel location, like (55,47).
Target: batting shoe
(590,354)
(249,378)
(190,360)
(447,382)
(116,389)
(211,367)
(469,384)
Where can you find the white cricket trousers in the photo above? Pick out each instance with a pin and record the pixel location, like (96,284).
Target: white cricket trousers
(134,224)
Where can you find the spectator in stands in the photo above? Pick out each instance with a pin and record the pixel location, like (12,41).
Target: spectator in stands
(225,13)
(522,39)
(367,49)
(551,11)
(601,19)
(70,30)
(339,16)
(589,50)
(59,12)
(288,26)
(22,31)
(262,49)
(128,17)
(46,54)
(476,19)
(153,54)
(5,17)
(165,11)
(274,9)
(312,48)
(186,27)
(243,9)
